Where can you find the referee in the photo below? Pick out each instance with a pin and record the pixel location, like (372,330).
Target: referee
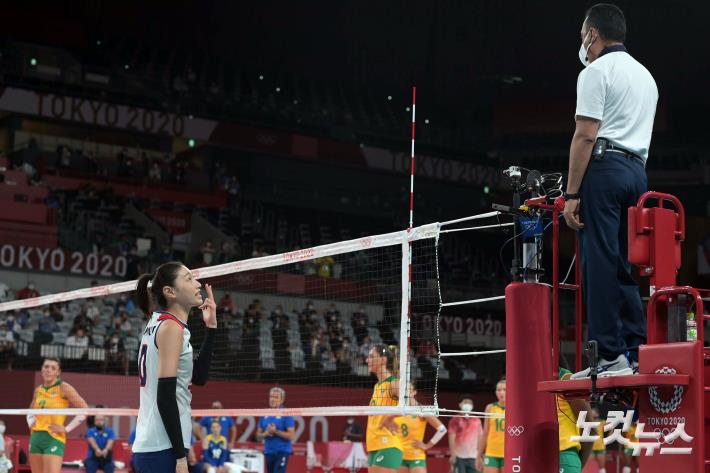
(616,105)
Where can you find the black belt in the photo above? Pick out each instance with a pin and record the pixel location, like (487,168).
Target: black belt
(608,146)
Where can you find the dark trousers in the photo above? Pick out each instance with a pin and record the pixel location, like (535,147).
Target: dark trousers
(465,465)
(94,464)
(613,304)
(276,462)
(155,462)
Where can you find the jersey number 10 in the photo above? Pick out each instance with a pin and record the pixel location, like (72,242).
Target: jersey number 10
(141,364)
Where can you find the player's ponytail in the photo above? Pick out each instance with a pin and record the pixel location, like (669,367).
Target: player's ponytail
(143,295)
(149,290)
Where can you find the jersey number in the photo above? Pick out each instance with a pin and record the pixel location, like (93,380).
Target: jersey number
(500,425)
(405,430)
(142,355)
(42,403)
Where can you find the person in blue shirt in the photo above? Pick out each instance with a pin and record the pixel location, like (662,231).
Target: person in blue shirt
(277,433)
(214,450)
(229,428)
(100,439)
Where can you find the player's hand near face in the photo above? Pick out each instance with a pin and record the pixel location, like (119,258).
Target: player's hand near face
(209,308)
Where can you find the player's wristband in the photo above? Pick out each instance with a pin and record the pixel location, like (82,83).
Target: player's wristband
(568,196)
(75,422)
(440,432)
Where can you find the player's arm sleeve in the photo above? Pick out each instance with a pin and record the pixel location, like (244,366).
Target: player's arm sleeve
(201,368)
(591,94)
(168,408)
(289,422)
(440,432)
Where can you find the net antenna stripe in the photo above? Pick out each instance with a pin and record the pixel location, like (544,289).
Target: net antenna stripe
(365,243)
(406,304)
(411,163)
(406,309)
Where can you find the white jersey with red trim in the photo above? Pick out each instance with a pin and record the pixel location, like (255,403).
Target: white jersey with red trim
(150,431)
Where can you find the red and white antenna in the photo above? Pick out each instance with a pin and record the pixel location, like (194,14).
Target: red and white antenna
(411,165)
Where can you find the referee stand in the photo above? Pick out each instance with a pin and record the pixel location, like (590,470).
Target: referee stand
(670,389)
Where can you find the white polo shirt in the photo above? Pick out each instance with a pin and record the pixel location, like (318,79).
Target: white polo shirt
(619,91)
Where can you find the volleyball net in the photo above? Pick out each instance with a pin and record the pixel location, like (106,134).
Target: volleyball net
(303,321)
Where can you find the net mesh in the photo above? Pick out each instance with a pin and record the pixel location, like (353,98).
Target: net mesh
(303,320)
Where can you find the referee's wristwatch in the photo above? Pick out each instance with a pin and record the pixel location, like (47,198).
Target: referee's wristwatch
(569,196)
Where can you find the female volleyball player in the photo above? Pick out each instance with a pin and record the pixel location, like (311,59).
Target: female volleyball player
(573,454)
(384,445)
(165,366)
(493,437)
(599,449)
(411,429)
(629,462)
(49,435)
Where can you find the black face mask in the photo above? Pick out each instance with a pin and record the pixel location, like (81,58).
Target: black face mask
(99,427)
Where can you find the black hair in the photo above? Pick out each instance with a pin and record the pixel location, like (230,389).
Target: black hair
(149,297)
(392,354)
(609,20)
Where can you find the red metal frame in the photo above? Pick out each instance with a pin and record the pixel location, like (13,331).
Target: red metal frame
(661,197)
(556,208)
(655,235)
(664,295)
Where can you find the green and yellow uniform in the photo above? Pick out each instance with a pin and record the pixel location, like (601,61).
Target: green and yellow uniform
(384,447)
(412,428)
(631,436)
(496,438)
(599,448)
(569,456)
(43,441)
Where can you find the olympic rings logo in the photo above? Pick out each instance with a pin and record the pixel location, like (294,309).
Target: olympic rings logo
(664,432)
(516,430)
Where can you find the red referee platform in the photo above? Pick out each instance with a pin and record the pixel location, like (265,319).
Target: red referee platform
(670,391)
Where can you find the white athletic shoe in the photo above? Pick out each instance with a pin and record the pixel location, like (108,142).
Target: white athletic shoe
(618,367)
